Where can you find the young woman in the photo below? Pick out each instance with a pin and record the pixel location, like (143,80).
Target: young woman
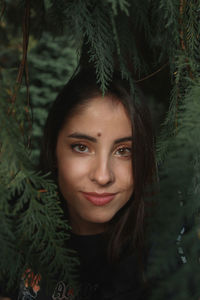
(99,149)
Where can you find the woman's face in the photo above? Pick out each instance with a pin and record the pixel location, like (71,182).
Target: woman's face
(94,164)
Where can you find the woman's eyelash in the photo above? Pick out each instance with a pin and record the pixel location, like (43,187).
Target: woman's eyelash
(121,151)
(78,147)
(124,151)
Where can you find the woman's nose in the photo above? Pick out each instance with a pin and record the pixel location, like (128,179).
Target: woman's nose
(102,171)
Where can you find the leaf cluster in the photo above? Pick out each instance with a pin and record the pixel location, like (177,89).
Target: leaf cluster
(33,231)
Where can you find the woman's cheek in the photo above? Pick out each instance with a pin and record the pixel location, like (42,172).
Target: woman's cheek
(73,169)
(124,172)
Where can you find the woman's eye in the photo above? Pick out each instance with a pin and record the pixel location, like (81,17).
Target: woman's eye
(124,151)
(79,148)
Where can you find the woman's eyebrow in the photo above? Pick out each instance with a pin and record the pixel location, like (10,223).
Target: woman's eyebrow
(124,139)
(77,135)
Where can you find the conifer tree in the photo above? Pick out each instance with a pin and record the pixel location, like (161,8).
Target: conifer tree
(52,61)
(140,38)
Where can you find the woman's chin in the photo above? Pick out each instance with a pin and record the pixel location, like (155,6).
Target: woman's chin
(99,218)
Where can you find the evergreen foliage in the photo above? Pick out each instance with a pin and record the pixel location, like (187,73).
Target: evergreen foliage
(177,225)
(51,62)
(29,208)
(139,38)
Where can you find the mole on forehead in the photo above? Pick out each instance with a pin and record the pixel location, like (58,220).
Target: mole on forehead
(99,134)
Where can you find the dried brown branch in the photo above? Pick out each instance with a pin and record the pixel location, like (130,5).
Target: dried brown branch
(3,9)
(23,68)
(181,10)
(23,65)
(153,74)
(183,48)
(26,26)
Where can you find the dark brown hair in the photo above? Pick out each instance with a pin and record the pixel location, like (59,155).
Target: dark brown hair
(127,226)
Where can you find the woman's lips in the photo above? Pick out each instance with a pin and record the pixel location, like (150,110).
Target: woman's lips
(99,199)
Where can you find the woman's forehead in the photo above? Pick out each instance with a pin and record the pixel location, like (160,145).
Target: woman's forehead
(105,107)
(101,116)
(87,103)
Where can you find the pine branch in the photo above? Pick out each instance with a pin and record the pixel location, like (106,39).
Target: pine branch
(39,227)
(98,32)
(122,4)
(178,198)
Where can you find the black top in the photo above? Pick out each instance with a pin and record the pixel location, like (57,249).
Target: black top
(98,279)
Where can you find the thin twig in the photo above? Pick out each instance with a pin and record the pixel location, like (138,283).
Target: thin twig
(181,9)
(3,9)
(26,27)
(25,41)
(183,48)
(23,68)
(153,74)
(25,48)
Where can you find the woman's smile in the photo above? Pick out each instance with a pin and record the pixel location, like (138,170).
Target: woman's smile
(94,162)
